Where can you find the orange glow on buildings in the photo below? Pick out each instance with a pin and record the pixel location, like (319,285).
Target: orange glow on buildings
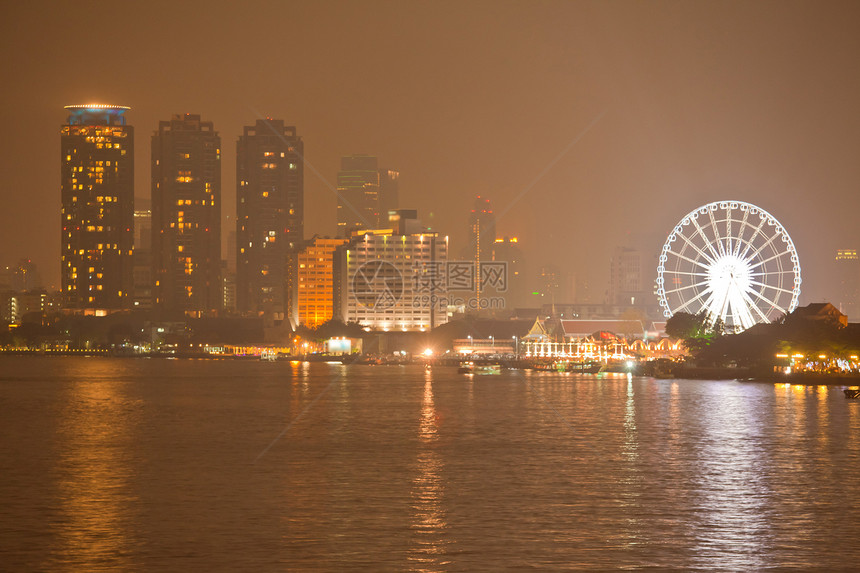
(316,281)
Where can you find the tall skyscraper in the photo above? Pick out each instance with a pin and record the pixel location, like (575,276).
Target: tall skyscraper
(186,216)
(143,282)
(270,216)
(389,199)
(482,236)
(848,269)
(507,250)
(365,194)
(97,190)
(358,204)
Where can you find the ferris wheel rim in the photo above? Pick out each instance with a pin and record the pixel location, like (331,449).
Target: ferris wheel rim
(741,269)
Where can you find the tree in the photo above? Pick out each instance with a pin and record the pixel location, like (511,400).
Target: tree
(696,330)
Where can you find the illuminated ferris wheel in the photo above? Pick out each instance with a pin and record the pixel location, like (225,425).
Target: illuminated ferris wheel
(733,260)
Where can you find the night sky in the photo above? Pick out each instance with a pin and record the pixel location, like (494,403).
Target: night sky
(588,125)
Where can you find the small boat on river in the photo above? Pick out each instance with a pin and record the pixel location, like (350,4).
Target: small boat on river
(472,368)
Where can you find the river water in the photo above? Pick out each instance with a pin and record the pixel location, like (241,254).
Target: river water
(204,465)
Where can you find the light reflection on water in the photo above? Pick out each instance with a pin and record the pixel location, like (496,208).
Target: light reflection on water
(136,465)
(428,525)
(96,424)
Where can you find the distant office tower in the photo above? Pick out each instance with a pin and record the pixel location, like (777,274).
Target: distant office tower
(366,194)
(358,205)
(482,236)
(507,250)
(555,286)
(269,209)
(550,286)
(848,268)
(316,281)
(97,188)
(389,200)
(186,216)
(27,276)
(626,284)
(143,229)
(386,280)
(143,282)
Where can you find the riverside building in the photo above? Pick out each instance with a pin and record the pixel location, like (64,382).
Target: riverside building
(315,296)
(97,195)
(391,280)
(186,216)
(270,217)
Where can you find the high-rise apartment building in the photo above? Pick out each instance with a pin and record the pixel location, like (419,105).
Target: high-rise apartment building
(848,269)
(97,193)
(315,296)
(186,216)
(270,211)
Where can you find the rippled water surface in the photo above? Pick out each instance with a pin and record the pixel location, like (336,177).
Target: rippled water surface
(126,464)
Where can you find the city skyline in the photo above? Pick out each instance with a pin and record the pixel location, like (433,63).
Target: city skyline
(634,115)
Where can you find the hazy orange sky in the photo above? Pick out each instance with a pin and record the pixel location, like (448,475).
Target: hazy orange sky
(588,124)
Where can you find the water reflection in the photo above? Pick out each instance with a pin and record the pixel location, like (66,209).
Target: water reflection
(398,469)
(95,438)
(732,482)
(630,438)
(429,524)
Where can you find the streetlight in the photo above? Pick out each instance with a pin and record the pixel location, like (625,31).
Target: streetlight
(516,347)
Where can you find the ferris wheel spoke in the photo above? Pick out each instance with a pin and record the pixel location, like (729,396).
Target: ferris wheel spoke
(744,305)
(768,273)
(740,313)
(679,289)
(755,235)
(764,245)
(729,248)
(708,242)
(753,305)
(743,225)
(698,249)
(709,306)
(697,298)
(765,285)
(767,260)
(767,301)
(718,239)
(690,274)
(717,303)
(688,259)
